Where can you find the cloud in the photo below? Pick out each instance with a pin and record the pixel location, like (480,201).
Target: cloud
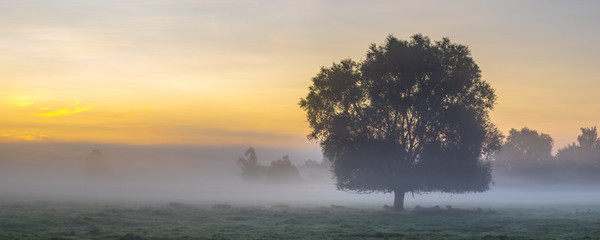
(62,112)
(130,113)
(20,101)
(19,138)
(26,137)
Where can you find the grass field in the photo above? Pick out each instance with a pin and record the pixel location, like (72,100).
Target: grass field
(69,220)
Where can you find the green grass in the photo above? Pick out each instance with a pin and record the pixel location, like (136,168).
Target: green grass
(63,220)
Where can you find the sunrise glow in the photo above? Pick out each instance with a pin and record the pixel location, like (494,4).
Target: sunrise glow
(232,72)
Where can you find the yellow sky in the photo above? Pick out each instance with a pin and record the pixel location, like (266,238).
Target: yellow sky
(232,72)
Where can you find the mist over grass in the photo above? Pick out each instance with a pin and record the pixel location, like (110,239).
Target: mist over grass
(50,191)
(210,175)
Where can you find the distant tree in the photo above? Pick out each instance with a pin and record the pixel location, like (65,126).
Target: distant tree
(280,170)
(314,170)
(525,152)
(412,117)
(283,170)
(311,164)
(251,169)
(95,155)
(96,164)
(589,139)
(582,158)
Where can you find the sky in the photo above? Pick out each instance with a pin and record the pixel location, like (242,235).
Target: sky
(232,72)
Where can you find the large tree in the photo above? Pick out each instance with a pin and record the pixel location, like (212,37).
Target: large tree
(412,117)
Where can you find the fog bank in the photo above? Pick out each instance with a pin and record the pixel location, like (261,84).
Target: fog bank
(204,174)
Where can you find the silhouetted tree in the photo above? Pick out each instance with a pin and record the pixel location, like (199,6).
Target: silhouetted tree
(251,169)
(589,139)
(283,170)
(411,117)
(526,153)
(582,158)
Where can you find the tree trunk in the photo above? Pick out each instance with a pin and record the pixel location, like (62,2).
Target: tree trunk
(399,200)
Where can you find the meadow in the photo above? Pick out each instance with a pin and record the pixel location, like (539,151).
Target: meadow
(140,221)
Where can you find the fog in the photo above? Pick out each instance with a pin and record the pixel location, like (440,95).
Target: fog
(209,175)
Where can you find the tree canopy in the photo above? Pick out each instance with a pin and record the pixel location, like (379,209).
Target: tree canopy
(524,152)
(283,170)
(251,169)
(280,170)
(527,155)
(582,158)
(412,117)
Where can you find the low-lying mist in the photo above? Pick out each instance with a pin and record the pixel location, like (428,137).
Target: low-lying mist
(202,174)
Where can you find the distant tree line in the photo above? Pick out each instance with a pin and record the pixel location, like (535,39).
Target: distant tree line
(280,170)
(528,154)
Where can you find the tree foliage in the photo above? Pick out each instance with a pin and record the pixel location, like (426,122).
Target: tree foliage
(527,155)
(251,169)
(525,152)
(582,158)
(589,139)
(283,170)
(316,171)
(279,170)
(413,116)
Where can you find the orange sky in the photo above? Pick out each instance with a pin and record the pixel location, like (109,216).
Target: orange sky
(232,72)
